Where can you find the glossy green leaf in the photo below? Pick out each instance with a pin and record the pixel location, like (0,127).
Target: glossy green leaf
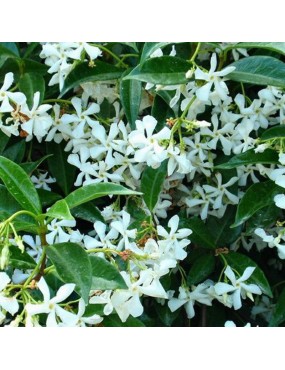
(94,191)
(273,133)
(6,53)
(19,260)
(72,265)
(60,210)
(201,235)
(263,218)
(201,269)
(114,321)
(130,94)
(59,168)
(84,73)
(30,167)
(279,47)
(12,46)
(259,70)
(165,70)
(31,66)
(15,152)
(161,111)
(257,196)
(8,206)
(105,276)
(278,315)
(19,185)
(88,212)
(48,197)
(3,141)
(152,183)
(269,156)
(151,47)
(29,84)
(240,262)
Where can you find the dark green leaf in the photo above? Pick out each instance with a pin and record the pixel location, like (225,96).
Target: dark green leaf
(63,172)
(19,185)
(152,182)
(150,47)
(201,235)
(161,111)
(6,53)
(15,152)
(273,133)
(130,94)
(72,265)
(279,47)
(83,73)
(164,71)
(60,210)
(105,276)
(165,315)
(8,206)
(240,262)
(263,218)
(114,321)
(257,196)
(48,197)
(30,167)
(201,269)
(29,65)
(88,212)
(94,191)
(132,45)
(269,156)
(259,70)
(29,84)
(3,141)
(278,315)
(19,260)
(12,46)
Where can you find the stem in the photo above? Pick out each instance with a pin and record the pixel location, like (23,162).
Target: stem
(63,101)
(195,52)
(36,270)
(111,53)
(23,212)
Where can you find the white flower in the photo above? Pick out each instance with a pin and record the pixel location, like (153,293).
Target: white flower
(93,51)
(5,96)
(212,78)
(237,287)
(42,181)
(121,226)
(57,233)
(50,306)
(79,319)
(231,324)
(279,200)
(9,304)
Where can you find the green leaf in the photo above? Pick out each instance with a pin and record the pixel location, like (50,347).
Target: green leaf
(63,172)
(15,152)
(164,70)
(19,185)
(30,65)
(279,47)
(223,234)
(130,94)
(94,191)
(48,197)
(152,183)
(12,46)
(201,269)
(132,45)
(278,315)
(150,47)
(19,260)
(257,196)
(269,156)
(240,262)
(273,133)
(165,315)
(114,321)
(60,210)
(161,111)
(259,70)
(30,83)
(88,212)
(263,218)
(105,276)
(30,167)
(72,265)
(83,73)
(6,53)
(201,235)
(8,206)
(3,141)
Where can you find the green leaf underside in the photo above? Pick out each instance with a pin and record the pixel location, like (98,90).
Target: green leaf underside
(83,73)
(269,156)
(278,316)
(164,70)
(257,196)
(19,185)
(279,47)
(273,133)
(201,269)
(105,276)
(151,184)
(240,262)
(200,236)
(94,191)
(72,265)
(259,70)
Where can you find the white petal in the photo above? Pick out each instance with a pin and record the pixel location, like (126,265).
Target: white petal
(63,292)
